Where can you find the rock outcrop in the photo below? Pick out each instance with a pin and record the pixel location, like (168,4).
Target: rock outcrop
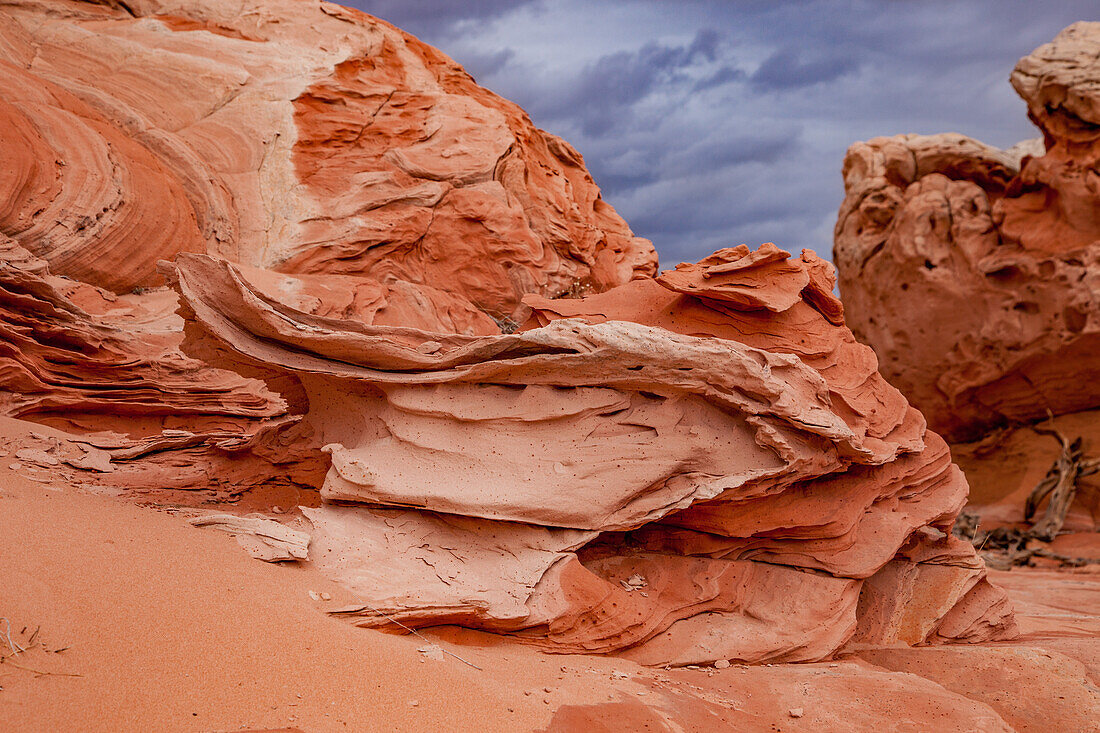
(975,273)
(302,139)
(656,471)
(366,253)
(349,169)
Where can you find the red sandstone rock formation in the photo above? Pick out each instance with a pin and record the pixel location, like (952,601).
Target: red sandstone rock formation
(974,272)
(653,471)
(697,467)
(351,170)
(294,137)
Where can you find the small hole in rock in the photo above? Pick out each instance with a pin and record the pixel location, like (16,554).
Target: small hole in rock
(1029,308)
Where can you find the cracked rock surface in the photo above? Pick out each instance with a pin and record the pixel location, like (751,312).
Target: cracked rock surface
(655,471)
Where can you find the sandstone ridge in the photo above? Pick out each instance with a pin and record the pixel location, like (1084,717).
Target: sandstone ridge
(652,471)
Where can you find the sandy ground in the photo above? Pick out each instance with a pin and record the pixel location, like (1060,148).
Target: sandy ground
(171,627)
(145,623)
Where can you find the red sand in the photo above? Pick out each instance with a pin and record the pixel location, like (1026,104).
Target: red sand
(172,627)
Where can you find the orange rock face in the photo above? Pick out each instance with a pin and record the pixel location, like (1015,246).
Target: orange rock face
(366,253)
(974,272)
(652,471)
(300,139)
(133,133)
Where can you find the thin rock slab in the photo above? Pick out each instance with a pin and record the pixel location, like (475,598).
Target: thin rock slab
(426,569)
(263,538)
(600,485)
(422,568)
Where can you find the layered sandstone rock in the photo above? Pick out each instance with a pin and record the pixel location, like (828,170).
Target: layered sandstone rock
(108,367)
(303,138)
(698,467)
(974,272)
(367,250)
(349,169)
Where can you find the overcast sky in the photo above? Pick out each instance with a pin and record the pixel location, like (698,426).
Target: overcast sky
(710,123)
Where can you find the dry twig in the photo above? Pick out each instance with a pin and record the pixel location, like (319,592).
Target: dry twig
(15,648)
(40,673)
(1010,546)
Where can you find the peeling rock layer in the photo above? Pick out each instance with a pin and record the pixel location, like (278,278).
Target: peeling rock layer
(347,168)
(975,272)
(656,471)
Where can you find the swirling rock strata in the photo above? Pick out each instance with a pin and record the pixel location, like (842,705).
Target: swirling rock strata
(697,467)
(654,471)
(974,272)
(303,138)
(347,168)
(108,368)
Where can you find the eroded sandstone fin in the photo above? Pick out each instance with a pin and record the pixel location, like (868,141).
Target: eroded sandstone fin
(657,480)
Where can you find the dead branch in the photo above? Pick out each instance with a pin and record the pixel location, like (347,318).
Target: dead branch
(40,673)
(1011,546)
(1060,485)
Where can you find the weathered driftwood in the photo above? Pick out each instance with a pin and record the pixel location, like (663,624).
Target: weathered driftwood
(1060,485)
(1005,547)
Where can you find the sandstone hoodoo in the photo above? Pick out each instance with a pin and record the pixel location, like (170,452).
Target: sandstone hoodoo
(975,272)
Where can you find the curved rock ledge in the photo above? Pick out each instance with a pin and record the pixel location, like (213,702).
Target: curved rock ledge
(607,483)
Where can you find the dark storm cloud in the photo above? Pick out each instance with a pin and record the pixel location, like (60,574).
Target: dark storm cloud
(487,64)
(602,94)
(631,165)
(789,69)
(724,75)
(709,123)
(762,146)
